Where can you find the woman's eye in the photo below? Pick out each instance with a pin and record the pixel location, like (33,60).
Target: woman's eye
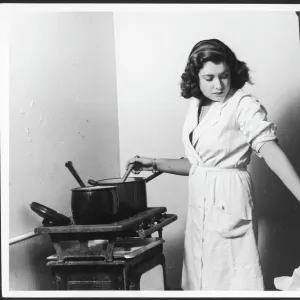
(208,78)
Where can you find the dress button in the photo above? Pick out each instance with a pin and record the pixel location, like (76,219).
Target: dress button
(223,207)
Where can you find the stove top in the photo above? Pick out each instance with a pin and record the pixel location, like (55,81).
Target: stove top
(153,214)
(141,225)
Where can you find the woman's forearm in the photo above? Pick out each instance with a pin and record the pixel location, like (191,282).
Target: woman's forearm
(281,166)
(173,166)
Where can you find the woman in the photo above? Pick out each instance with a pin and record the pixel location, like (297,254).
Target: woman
(223,126)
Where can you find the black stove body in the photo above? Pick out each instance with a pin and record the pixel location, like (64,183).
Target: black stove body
(116,256)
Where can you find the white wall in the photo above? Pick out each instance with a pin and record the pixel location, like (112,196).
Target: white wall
(63,106)
(151,51)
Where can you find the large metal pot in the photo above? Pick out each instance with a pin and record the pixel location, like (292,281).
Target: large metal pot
(108,200)
(132,193)
(94,204)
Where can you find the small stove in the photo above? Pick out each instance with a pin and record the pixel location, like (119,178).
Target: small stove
(121,255)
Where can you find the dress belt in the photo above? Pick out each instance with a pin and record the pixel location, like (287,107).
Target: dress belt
(214,169)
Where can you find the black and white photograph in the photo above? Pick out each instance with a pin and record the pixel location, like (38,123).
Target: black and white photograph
(150,150)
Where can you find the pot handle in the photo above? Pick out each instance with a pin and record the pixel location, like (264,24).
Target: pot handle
(71,168)
(156,174)
(166,219)
(153,176)
(93,182)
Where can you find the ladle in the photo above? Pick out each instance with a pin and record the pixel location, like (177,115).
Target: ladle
(127,173)
(71,168)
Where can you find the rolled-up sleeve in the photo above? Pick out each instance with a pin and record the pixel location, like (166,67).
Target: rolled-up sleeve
(252,119)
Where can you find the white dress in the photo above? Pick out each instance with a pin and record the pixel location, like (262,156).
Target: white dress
(220,248)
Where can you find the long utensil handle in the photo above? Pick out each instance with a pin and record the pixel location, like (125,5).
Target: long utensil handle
(127,172)
(71,168)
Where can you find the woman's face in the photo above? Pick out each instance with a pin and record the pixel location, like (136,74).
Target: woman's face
(215,80)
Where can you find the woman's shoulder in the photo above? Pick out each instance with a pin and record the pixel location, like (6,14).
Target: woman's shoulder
(247,103)
(243,99)
(241,95)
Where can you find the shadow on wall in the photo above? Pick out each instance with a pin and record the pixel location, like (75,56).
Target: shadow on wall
(28,270)
(278,210)
(173,251)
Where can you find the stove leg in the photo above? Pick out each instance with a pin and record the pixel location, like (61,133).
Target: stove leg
(163,264)
(109,250)
(160,233)
(58,250)
(125,277)
(59,282)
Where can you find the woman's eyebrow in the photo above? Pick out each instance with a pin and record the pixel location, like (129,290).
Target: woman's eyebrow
(226,71)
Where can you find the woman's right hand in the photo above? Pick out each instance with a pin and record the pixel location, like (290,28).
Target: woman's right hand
(141,163)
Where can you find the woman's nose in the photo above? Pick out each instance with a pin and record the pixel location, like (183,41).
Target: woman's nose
(218,83)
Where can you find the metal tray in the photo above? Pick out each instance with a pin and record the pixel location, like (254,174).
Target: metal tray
(124,249)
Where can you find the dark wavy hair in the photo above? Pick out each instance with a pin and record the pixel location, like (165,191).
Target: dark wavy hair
(215,51)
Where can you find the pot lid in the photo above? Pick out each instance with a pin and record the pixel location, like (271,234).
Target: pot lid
(51,217)
(111,181)
(92,188)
